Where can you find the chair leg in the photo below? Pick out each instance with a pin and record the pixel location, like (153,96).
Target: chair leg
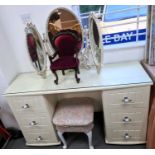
(89,134)
(76,72)
(56,80)
(63,72)
(60,134)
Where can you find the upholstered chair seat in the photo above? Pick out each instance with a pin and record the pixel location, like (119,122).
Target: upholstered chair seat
(63,63)
(74,115)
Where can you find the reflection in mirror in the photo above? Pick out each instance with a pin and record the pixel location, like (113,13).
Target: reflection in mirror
(63,20)
(66,40)
(95,41)
(95,33)
(35,49)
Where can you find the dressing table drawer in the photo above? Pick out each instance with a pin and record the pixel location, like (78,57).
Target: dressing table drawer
(128,119)
(126,98)
(125,136)
(28,104)
(127,115)
(32,122)
(35,124)
(38,138)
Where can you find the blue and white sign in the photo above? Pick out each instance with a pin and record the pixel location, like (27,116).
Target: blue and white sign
(124,37)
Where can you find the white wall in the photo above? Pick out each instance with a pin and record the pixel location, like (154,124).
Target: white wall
(8,70)
(13,53)
(133,51)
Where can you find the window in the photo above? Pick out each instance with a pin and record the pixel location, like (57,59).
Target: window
(124,24)
(85,11)
(120,23)
(122,12)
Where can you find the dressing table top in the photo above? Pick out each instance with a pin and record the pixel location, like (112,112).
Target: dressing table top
(112,76)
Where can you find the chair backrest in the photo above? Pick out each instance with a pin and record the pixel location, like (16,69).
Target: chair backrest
(67,43)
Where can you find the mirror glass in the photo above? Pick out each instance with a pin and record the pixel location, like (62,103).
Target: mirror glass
(95,41)
(62,20)
(35,48)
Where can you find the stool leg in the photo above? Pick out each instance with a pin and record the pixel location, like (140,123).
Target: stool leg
(60,134)
(89,134)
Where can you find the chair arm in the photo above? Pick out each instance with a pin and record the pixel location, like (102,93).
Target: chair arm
(52,57)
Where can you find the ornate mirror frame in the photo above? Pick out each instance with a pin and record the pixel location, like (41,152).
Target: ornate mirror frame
(96,51)
(30,27)
(50,49)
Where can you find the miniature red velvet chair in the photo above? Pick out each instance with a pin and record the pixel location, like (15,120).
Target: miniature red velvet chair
(67,44)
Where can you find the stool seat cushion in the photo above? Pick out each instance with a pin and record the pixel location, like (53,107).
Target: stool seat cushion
(74,112)
(84,129)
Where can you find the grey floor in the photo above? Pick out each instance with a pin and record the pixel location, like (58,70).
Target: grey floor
(78,140)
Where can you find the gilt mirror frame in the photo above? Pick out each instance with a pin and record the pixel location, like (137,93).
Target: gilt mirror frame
(51,50)
(32,27)
(97,52)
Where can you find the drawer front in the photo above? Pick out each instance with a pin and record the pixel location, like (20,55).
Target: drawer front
(34,121)
(38,138)
(34,124)
(126,98)
(125,136)
(28,104)
(133,118)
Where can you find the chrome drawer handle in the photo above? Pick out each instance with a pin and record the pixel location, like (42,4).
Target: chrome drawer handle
(26,106)
(39,138)
(126,100)
(127,136)
(126,119)
(33,123)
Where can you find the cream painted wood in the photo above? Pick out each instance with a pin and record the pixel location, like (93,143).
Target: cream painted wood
(36,118)
(126,116)
(37,138)
(126,98)
(33,121)
(112,76)
(133,118)
(23,105)
(33,99)
(125,136)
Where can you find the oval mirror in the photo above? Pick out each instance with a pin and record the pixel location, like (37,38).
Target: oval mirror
(62,20)
(36,49)
(95,41)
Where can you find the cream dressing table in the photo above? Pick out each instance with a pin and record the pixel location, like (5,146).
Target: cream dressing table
(123,87)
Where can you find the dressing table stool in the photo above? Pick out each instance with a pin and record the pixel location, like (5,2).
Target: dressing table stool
(74,115)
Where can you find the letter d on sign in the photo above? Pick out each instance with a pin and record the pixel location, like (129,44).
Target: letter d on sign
(116,38)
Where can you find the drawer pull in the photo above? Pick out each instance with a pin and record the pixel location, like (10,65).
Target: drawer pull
(127,136)
(126,119)
(39,138)
(126,100)
(33,123)
(26,106)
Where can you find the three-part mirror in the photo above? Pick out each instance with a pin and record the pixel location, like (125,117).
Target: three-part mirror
(62,20)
